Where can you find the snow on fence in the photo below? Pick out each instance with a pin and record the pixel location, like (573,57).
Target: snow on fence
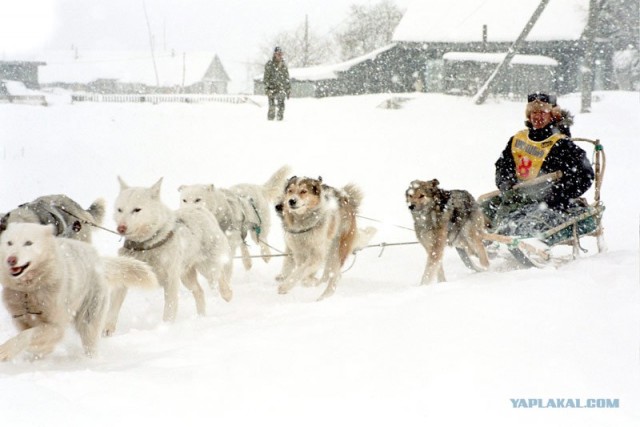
(158,98)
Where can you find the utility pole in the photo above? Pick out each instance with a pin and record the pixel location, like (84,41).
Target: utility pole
(485,90)
(153,56)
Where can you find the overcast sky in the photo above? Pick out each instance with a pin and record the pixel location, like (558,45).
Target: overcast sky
(234,29)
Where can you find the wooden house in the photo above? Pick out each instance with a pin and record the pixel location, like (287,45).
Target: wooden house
(21,71)
(554,49)
(454,48)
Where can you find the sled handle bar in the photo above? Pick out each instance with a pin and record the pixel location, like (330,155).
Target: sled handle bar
(548,177)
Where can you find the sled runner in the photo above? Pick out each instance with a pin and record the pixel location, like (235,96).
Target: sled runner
(533,247)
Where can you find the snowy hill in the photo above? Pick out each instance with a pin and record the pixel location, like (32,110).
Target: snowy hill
(382,351)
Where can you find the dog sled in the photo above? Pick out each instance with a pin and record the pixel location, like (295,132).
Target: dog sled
(534,249)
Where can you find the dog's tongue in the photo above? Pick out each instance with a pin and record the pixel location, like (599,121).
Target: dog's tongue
(16,270)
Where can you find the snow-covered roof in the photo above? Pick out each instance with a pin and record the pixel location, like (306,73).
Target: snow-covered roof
(324,72)
(174,69)
(462,20)
(496,58)
(17,88)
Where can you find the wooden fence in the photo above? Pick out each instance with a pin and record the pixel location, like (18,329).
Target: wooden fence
(158,98)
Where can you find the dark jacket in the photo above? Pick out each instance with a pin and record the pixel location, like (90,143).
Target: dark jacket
(276,78)
(565,156)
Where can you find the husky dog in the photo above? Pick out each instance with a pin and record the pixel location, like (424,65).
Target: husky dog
(240,210)
(68,217)
(320,231)
(176,244)
(444,218)
(50,282)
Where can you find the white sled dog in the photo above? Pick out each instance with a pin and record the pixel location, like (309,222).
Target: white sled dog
(176,244)
(68,217)
(320,231)
(240,210)
(51,282)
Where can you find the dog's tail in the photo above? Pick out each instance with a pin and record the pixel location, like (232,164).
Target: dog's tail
(275,184)
(122,271)
(97,210)
(363,237)
(354,196)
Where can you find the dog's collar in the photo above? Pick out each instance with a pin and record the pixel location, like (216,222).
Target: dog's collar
(144,246)
(304,230)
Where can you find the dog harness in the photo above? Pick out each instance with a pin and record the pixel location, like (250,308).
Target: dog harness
(142,246)
(529,155)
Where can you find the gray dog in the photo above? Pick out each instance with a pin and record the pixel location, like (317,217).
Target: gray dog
(69,219)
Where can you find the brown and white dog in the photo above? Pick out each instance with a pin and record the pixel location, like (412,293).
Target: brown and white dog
(444,218)
(320,231)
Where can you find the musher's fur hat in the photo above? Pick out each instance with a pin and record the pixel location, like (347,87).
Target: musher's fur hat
(542,102)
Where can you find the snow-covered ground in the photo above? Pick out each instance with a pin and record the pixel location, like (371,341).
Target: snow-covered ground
(382,351)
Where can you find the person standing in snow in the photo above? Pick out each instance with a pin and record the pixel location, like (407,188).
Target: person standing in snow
(543,147)
(277,84)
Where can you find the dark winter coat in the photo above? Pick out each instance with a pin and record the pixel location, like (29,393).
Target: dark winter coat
(565,156)
(276,78)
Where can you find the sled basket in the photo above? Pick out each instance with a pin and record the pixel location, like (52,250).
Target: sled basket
(583,221)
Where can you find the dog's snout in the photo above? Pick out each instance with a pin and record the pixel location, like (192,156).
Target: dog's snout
(12,261)
(412,206)
(292,202)
(122,229)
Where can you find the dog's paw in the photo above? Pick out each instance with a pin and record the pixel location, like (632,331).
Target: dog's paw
(109,330)
(6,352)
(330,290)
(226,294)
(283,289)
(266,253)
(311,281)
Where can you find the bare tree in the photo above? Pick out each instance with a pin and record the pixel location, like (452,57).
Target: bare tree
(619,28)
(619,23)
(589,61)
(368,27)
(302,46)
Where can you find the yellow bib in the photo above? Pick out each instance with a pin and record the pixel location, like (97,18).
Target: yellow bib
(529,155)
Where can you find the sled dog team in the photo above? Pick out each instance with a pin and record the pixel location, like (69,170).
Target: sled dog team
(53,277)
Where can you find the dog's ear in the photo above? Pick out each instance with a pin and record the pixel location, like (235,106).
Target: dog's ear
(155,189)
(211,187)
(409,191)
(435,182)
(4,219)
(316,188)
(123,185)
(289,181)
(180,188)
